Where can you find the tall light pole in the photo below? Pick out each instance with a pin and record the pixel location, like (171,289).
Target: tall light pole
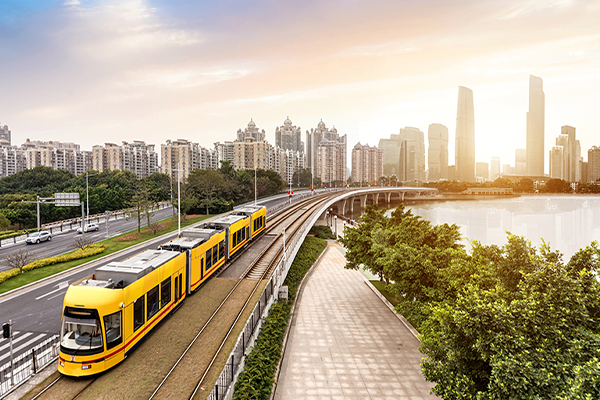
(178,197)
(255,194)
(87,197)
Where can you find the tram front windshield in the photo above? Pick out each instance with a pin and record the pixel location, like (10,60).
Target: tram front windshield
(81,332)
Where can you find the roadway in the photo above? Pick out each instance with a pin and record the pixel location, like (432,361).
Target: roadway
(62,241)
(36,312)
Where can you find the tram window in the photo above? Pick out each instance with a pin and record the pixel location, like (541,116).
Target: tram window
(221,249)
(247,232)
(243,234)
(215,254)
(112,325)
(180,293)
(152,301)
(235,239)
(138,313)
(208,259)
(165,292)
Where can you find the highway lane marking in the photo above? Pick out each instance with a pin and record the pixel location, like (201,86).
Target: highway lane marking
(24,345)
(61,286)
(55,296)
(15,340)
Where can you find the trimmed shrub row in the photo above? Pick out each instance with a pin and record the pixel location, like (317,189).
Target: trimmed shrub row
(89,251)
(256,381)
(322,232)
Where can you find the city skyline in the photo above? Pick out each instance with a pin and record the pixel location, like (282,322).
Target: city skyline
(98,71)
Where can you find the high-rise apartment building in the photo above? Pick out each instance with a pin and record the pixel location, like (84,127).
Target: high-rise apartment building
(495,168)
(465,136)
(250,153)
(289,137)
(5,139)
(137,157)
(251,131)
(331,161)
(313,141)
(415,153)
(367,163)
(12,160)
(180,157)
(437,154)
(535,127)
(593,167)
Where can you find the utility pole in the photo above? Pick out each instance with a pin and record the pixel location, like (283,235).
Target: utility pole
(87,197)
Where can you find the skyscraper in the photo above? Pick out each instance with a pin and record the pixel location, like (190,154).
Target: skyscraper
(437,154)
(495,168)
(593,172)
(465,136)
(535,127)
(414,155)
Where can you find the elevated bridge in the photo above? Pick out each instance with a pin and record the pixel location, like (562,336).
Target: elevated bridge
(346,201)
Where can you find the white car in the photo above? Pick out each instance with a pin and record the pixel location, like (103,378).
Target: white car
(37,237)
(88,228)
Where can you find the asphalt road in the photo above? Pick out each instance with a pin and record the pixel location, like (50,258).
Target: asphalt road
(62,241)
(36,313)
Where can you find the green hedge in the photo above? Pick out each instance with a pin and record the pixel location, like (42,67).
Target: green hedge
(89,251)
(256,381)
(322,232)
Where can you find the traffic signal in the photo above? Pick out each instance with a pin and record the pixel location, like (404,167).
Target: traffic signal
(6,331)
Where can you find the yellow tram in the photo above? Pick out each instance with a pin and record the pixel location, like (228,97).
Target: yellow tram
(108,314)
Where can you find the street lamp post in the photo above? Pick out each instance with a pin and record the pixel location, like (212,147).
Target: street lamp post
(178,197)
(87,197)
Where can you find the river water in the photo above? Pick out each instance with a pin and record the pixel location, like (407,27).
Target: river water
(567,222)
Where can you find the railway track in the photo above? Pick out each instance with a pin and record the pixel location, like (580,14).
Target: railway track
(174,384)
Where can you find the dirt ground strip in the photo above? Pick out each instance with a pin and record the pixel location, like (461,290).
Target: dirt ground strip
(142,371)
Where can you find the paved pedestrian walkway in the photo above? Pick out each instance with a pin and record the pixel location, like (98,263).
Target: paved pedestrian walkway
(345,343)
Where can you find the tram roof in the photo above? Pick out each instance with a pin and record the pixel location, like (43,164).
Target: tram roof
(135,267)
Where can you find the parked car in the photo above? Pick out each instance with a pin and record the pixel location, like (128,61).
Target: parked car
(88,228)
(37,237)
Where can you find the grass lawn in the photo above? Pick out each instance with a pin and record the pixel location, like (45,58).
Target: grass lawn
(381,287)
(113,245)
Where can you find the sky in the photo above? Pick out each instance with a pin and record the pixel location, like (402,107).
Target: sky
(96,71)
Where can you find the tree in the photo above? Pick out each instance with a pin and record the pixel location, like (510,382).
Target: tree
(81,242)
(4,222)
(18,259)
(531,333)
(141,205)
(556,186)
(303,177)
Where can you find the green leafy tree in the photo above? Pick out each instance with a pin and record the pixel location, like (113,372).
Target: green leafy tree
(556,186)
(4,222)
(524,334)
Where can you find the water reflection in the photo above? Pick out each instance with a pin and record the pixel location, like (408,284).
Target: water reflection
(566,222)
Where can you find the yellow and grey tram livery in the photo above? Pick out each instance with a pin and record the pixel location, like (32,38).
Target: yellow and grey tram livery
(106,315)
(258,218)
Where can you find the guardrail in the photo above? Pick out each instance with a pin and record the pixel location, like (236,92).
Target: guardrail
(27,364)
(73,224)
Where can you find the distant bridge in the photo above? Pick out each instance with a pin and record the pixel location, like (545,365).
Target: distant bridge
(347,200)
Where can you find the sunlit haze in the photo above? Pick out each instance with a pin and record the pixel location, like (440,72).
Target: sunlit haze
(91,72)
